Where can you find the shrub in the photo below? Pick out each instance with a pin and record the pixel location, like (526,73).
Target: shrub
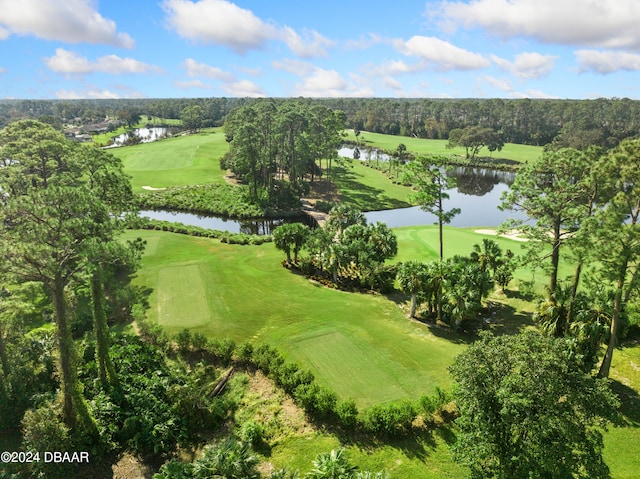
(252,433)
(391,418)
(175,470)
(44,430)
(229,459)
(347,413)
(183,339)
(316,400)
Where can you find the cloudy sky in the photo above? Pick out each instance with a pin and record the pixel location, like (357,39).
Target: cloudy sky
(331,48)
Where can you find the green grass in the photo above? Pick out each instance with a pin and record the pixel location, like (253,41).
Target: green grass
(420,146)
(410,457)
(368,189)
(242,292)
(362,346)
(182,160)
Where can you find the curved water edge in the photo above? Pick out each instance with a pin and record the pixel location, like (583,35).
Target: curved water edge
(478,194)
(253,226)
(146,135)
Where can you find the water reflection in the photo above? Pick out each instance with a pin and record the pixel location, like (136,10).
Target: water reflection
(479,181)
(145,135)
(259,226)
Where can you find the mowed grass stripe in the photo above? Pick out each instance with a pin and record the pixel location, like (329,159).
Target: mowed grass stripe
(249,296)
(182,298)
(346,363)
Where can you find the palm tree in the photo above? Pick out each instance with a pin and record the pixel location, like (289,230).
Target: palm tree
(413,277)
(229,459)
(331,465)
(488,255)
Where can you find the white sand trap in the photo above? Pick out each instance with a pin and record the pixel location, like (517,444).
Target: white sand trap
(151,188)
(513,234)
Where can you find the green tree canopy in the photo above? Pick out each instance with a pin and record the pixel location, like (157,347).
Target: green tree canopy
(527,410)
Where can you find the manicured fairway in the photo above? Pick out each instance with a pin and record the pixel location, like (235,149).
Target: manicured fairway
(420,146)
(360,345)
(183,160)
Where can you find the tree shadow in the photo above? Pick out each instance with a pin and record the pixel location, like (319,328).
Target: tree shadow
(417,443)
(363,196)
(507,320)
(629,403)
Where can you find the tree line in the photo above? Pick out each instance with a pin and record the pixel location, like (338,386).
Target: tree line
(578,123)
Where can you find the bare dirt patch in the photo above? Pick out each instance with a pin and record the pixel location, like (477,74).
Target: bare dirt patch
(129,467)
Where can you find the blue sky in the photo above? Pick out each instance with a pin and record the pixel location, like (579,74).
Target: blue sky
(335,48)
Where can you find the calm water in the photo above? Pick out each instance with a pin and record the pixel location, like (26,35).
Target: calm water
(146,135)
(477,194)
(249,226)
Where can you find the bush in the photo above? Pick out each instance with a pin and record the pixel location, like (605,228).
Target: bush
(391,418)
(252,433)
(183,339)
(347,413)
(44,430)
(222,350)
(316,400)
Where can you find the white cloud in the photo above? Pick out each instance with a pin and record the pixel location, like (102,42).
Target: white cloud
(219,22)
(244,89)
(296,67)
(93,92)
(312,45)
(68,62)
(71,21)
(364,42)
(392,83)
(527,65)
(503,85)
(192,84)
(3,70)
(607,61)
(222,22)
(532,94)
(599,23)
(195,69)
(443,55)
(323,83)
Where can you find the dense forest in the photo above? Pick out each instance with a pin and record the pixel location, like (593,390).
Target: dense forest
(603,121)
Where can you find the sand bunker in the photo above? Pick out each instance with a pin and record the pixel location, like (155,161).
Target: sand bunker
(513,234)
(151,188)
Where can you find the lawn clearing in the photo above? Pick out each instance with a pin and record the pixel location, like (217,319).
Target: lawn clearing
(182,160)
(247,295)
(368,189)
(421,146)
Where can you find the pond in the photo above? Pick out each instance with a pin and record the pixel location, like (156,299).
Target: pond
(146,135)
(247,226)
(478,194)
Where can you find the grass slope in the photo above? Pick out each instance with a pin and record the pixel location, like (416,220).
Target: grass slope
(421,146)
(360,345)
(182,160)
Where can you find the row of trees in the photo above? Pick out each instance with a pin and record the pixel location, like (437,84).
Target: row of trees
(272,143)
(586,205)
(604,122)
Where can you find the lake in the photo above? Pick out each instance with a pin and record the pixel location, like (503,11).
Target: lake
(478,194)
